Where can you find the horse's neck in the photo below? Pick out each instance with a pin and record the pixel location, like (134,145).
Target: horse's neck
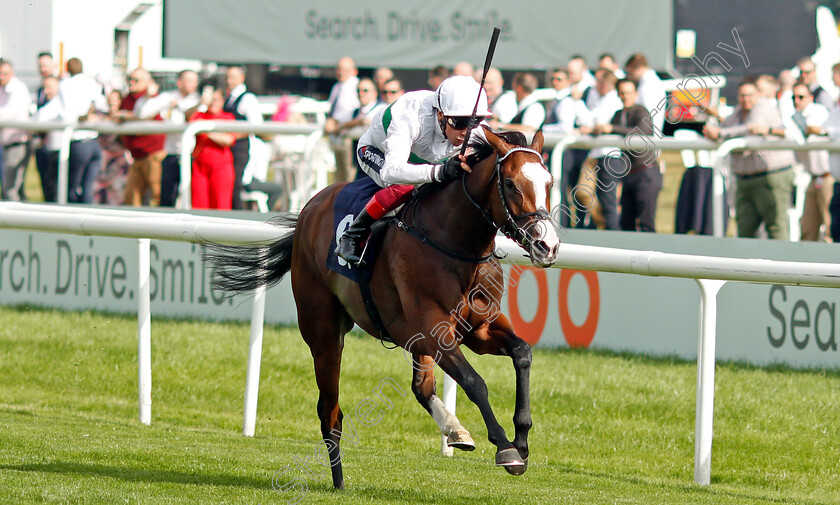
(453,221)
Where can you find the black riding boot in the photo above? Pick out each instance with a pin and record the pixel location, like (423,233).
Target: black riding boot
(350,244)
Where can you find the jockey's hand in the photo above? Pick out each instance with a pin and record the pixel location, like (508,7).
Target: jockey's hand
(451,169)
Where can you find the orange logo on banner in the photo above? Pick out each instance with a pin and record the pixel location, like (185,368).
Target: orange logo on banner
(579,336)
(529,331)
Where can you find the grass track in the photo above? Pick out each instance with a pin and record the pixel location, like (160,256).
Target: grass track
(607,428)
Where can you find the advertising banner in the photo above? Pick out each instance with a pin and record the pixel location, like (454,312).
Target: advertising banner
(415,34)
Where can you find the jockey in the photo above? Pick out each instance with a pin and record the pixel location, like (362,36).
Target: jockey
(414,141)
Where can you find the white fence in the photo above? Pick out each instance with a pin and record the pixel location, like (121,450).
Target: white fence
(711,274)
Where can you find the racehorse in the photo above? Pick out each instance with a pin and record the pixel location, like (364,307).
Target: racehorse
(436,283)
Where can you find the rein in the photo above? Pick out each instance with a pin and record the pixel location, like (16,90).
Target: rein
(510,229)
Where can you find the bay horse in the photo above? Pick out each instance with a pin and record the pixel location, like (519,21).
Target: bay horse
(433,294)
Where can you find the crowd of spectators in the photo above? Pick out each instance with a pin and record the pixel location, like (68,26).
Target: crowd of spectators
(602,190)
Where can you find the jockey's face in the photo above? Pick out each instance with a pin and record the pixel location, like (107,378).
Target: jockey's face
(455,137)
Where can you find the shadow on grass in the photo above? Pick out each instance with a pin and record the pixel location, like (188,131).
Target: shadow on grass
(140,474)
(687,488)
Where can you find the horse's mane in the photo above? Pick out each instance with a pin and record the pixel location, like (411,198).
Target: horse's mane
(483,149)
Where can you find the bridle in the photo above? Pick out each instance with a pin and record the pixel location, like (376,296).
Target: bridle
(510,229)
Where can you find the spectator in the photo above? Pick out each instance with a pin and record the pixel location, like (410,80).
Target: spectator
(642,180)
(343,100)
(502,103)
(560,82)
(463,68)
(808,77)
(172,106)
(437,76)
(785,97)
(46,154)
(832,129)
(244,106)
(809,119)
(380,77)
(256,173)
(768,88)
(603,184)
(765,178)
(368,106)
(146,150)
(79,97)
(530,113)
(109,187)
(14,104)
(608,61)
(651,91)
(581,79)
(392,90)
(46,68)
(212,170)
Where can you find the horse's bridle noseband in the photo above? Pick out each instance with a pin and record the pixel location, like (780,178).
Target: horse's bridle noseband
(510,229)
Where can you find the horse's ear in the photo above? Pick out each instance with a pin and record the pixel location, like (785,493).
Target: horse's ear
(496,142)
(537,142)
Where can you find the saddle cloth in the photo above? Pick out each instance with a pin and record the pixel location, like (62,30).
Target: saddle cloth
(350,201)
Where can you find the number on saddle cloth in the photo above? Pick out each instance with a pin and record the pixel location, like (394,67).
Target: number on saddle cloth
(349,203)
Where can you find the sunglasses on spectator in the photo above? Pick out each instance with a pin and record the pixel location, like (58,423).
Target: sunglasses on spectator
(556,78)
(800,97)
(365,90)
(133,79)
(391,91)
(458,122)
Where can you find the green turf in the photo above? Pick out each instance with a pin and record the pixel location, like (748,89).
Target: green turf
(607,428)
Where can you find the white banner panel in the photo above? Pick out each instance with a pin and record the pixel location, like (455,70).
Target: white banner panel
(415,34)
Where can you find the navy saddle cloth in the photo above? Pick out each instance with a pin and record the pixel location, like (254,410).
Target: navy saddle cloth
(349,203)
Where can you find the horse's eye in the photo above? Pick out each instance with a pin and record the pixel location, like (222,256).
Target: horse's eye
(509,184)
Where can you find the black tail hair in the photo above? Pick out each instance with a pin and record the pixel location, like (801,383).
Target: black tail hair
(243,268)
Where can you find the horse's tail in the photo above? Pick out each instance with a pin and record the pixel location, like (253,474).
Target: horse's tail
(243,268)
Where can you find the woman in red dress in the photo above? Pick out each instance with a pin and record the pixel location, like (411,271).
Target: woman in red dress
(212,169)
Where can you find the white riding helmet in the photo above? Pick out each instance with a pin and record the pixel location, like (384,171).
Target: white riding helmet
(456,97)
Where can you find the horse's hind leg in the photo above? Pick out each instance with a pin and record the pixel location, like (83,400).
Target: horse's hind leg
(323,323)
(423,386)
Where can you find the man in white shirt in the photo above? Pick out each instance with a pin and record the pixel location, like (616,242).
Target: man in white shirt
(172,106)
(650,89)
(344,99)
(502,102)
(15,101)
(245,107)
(80,95)
(809,118)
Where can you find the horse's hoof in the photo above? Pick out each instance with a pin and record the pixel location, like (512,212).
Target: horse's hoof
(510,459)
(460,439)
(517,470)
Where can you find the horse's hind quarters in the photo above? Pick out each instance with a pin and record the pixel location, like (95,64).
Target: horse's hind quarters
(511,460)
(460,439)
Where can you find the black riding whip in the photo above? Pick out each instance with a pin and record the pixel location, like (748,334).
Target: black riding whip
(490,51)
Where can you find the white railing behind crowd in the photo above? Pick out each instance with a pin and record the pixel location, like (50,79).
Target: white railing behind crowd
(711,273)
(719,150)
(557,143)
(188,132)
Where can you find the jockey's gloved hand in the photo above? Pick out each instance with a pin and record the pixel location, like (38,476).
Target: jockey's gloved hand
(448,170)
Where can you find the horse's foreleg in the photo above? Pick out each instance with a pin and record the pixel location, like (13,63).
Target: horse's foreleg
(498,338)
(456,365)
(423,386)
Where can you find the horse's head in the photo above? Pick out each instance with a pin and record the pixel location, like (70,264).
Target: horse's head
(521,208)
